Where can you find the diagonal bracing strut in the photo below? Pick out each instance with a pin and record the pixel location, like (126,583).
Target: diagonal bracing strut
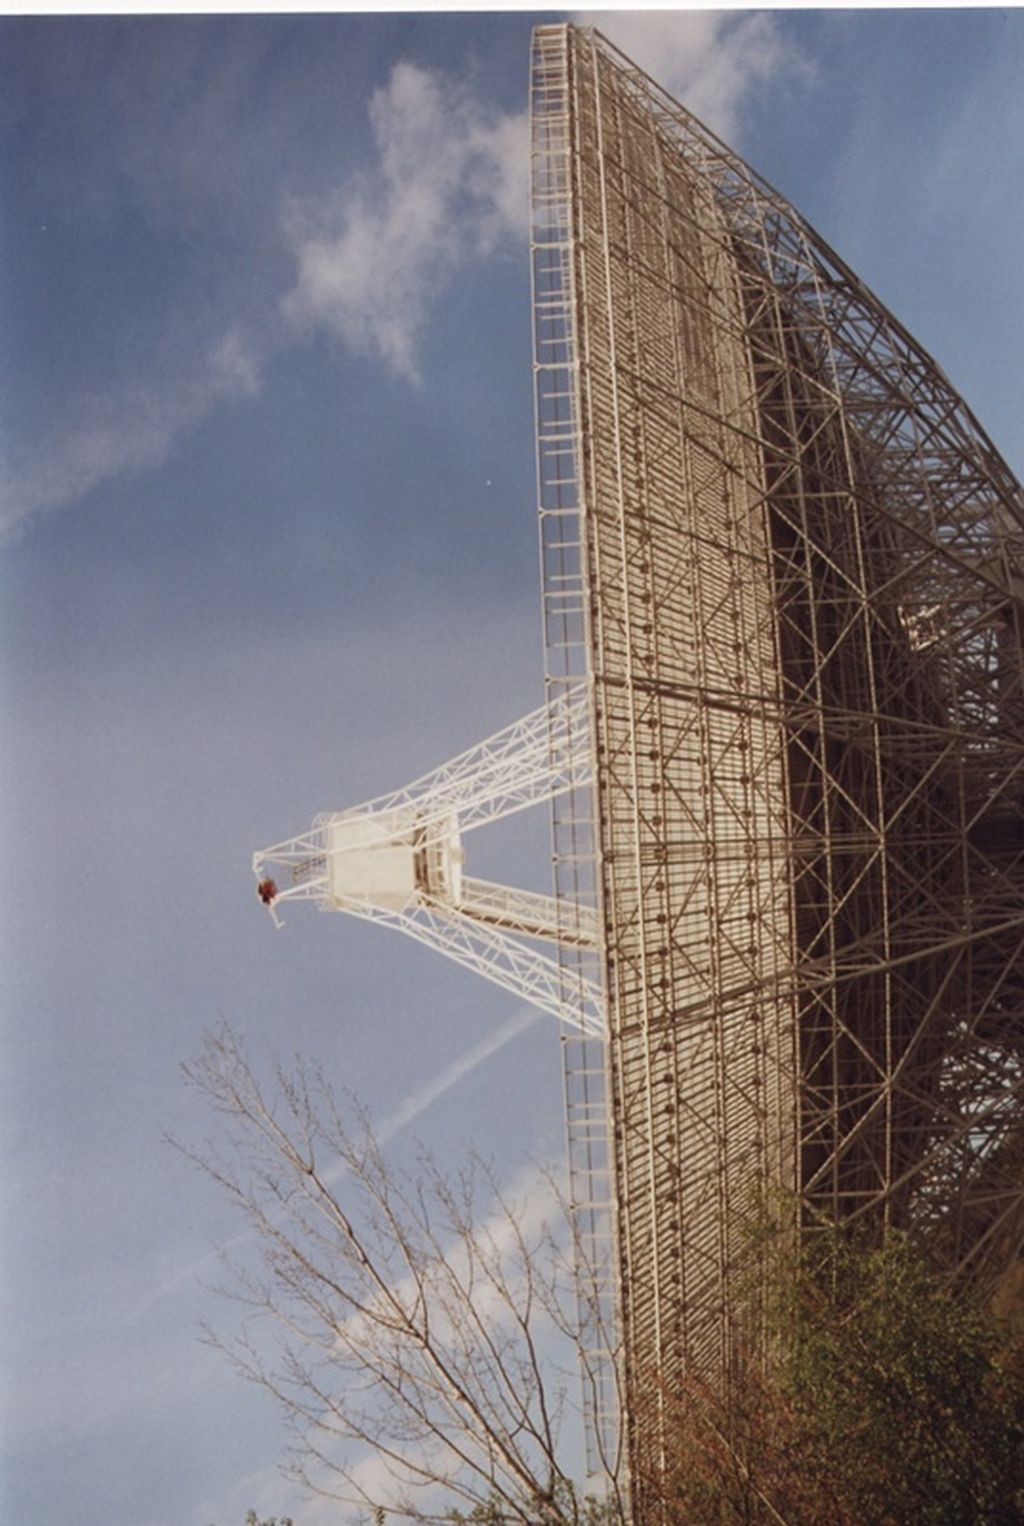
(398,860)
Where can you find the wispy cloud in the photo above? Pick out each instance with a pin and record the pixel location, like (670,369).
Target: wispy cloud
(530,1188)
(119,433)
(710,60)
(408,1110)
(446,180)
(450,179)
(264,1490)
(497,1267)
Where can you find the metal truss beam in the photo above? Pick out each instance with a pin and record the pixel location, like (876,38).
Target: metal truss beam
(475,922)
(792,563)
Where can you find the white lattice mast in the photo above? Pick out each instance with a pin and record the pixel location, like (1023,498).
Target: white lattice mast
(398,860)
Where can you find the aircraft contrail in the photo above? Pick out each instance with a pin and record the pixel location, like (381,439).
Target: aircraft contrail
(419,1100)
(409,1108)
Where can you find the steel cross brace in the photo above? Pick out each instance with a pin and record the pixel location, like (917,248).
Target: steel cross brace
(535,759)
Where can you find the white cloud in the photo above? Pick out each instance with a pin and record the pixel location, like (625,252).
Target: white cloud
(482,1268)
(450,180)
(529,1207)
(234,368)
(117,434)
(708,60)
(264,1490)
(410,1108)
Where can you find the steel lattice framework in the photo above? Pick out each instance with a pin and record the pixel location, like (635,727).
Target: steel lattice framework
(397,860)
(783,739)
(790,565)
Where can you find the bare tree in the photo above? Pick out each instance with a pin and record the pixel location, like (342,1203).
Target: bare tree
(411,1318)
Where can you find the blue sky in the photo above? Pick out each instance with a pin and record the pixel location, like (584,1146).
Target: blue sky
(268,547)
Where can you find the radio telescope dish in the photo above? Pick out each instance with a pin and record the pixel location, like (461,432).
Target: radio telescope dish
(783,591)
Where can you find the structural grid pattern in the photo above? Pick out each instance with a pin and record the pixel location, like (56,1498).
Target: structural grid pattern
(565,609)
(398,861)
(789,565)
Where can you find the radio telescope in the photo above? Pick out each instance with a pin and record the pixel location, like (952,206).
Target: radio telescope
(783,735)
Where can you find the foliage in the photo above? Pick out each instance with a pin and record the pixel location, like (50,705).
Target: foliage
(892,1399)
(405,1323)
(565,1506)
